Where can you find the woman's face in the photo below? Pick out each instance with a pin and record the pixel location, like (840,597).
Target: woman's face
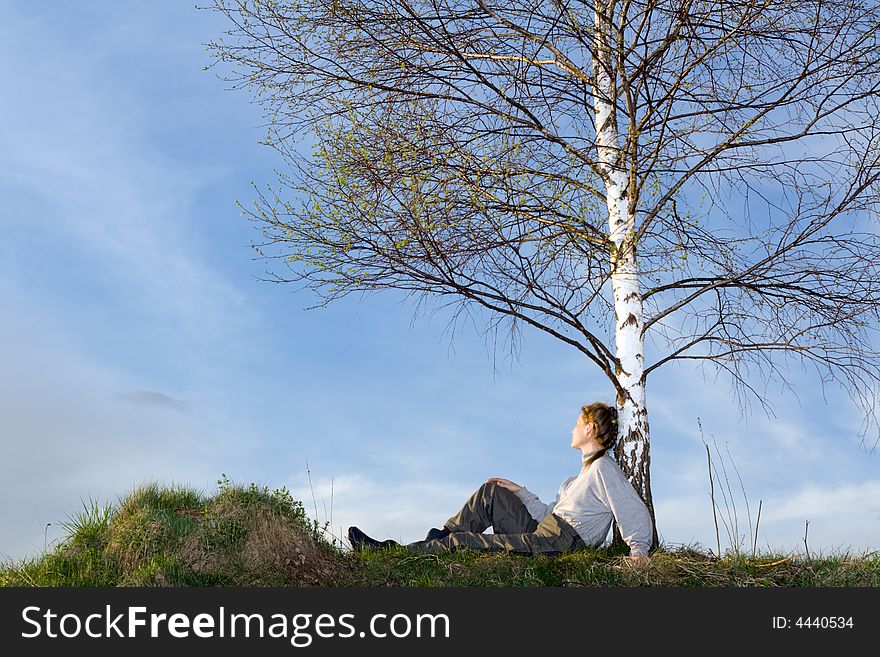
(582,434)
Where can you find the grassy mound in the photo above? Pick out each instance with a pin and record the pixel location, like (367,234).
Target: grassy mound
(251,536)
(161,536)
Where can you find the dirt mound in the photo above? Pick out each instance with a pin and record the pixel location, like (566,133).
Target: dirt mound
(240,537)
(262,546)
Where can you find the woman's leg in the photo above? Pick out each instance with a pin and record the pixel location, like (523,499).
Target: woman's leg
(553,535)
(493,506)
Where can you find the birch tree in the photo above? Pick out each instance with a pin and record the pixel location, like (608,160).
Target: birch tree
(645,181)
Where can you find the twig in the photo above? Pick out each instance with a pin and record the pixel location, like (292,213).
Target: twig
(733,529)
(806,529)
(757,522)
(419,557)
(712,492)
(775,563)
(312,488)
(743,489)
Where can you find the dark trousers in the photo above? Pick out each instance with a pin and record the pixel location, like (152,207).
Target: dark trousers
(515,530)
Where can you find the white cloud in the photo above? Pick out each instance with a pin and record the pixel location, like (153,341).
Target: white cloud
(843,516)
(829,501)
(403,510)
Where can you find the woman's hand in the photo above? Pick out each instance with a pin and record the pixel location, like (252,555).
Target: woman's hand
(504,483)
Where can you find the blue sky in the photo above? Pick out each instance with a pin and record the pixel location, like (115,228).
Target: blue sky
(137,343)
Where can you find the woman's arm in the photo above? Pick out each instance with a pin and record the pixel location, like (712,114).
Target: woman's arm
(630,512)
(536,508)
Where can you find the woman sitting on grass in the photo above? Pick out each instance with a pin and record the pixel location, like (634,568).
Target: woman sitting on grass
(579,517)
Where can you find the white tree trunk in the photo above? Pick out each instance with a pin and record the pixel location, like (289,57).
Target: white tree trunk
(632,451)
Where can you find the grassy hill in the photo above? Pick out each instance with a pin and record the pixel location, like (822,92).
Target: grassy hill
(252,536)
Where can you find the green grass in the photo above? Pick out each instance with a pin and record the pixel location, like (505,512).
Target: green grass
(252,536)
(682,567)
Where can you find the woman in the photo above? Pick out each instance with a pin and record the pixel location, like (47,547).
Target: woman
(579,517)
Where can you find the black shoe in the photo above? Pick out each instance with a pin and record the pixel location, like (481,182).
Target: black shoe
(437,533)
(359,541)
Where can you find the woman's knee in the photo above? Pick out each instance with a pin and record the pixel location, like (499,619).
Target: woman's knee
(486,492)
(487,488)
(493,490)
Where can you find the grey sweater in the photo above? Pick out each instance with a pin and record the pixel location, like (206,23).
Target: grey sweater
(590,500)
